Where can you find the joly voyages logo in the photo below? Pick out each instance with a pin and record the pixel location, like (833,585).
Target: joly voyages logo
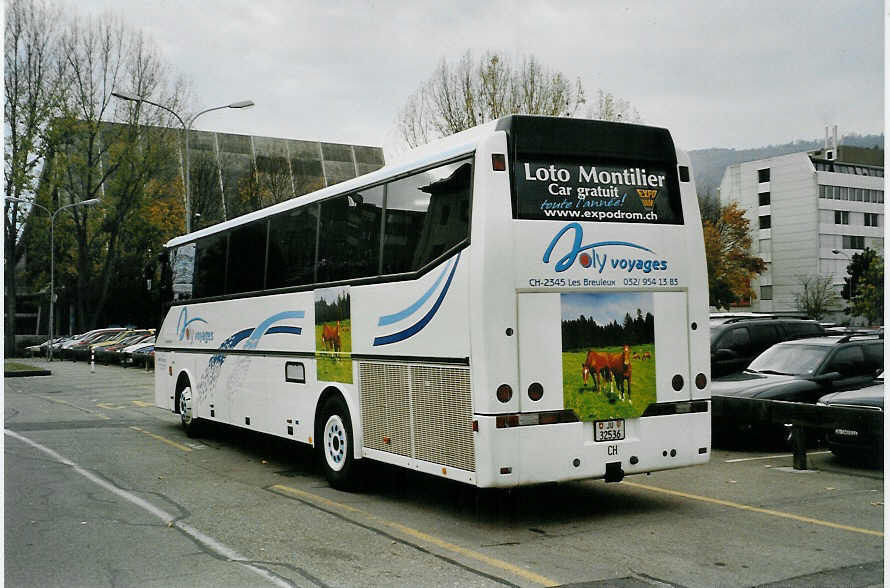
(588,255)
(188,331)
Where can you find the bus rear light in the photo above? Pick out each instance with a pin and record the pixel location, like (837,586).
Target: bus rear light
(506,420)
(475,426)
(498,162)
(504,393)
(525,419)
(535,391)
(701,381)
(677,382)
(669,408)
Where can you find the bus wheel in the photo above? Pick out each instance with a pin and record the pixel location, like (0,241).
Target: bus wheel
(190,423)
(335,444)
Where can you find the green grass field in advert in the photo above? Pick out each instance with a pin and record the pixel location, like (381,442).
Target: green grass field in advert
(592,404)
(335,367)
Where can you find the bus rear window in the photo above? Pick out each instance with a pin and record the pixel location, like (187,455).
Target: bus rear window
(591,191)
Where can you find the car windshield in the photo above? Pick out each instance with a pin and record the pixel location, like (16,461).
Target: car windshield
(792,360)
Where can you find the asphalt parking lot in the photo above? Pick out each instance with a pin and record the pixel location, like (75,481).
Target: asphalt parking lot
(103,488)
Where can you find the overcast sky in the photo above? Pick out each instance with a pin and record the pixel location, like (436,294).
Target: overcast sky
(717,73)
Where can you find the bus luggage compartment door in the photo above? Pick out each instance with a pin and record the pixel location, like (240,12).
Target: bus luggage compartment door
(540,352)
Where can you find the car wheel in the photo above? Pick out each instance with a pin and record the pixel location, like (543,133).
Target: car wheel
(335,444)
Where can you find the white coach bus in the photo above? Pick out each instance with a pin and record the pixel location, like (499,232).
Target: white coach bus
(522,302)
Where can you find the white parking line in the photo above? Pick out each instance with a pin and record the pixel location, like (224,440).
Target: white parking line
(168,519)
(737,460)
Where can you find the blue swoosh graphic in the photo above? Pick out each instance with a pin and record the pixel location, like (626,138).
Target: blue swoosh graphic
(264,326)
(416,327)
(396,317)
(284,329)
(229,343)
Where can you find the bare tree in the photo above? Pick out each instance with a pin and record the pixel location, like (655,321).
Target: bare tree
(469,93)
(32,90)
(816,295)
(610,107)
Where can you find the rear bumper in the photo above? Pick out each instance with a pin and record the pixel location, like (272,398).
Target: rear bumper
(550,453)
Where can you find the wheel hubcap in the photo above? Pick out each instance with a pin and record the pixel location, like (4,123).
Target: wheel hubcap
(335,443)
(185,405)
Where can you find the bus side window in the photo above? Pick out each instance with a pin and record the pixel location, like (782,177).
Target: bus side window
(292,248)
(247,258)
(182,267)
(210,270)
(419,224)
(349,236)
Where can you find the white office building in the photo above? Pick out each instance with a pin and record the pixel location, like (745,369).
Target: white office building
(810,213)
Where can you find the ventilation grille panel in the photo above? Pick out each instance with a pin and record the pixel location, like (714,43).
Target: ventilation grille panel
(424,411)
(386,414)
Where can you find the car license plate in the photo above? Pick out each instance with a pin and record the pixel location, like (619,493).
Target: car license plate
(608,430)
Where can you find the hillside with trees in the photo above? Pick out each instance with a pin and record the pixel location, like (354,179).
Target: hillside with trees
(709,164)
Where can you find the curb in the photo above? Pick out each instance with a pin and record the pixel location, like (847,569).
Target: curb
(26,373)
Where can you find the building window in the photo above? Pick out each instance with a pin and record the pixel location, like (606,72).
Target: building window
(763,175)
(854,242)
(766,292)
(764,198)
(871,219)
(765,221)
(841,217)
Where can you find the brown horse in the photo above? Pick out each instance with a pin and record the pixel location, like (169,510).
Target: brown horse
(595,364)
(619,365)
(330,336)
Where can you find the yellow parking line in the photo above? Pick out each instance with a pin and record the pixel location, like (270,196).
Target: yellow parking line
(420,535)
(163,439)
(775,513)
(72,405)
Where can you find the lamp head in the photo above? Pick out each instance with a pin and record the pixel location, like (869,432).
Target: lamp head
(241,104)
(123,96)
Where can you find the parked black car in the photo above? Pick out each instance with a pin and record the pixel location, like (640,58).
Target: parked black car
(735,342)
(860,442)
(803,370)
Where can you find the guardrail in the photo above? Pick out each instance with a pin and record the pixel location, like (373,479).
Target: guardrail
(805,419)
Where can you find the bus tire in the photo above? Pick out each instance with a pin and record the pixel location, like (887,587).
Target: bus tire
(190,423)
(335,444)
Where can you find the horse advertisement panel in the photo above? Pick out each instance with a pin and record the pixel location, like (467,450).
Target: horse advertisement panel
(333,335)
(608,354)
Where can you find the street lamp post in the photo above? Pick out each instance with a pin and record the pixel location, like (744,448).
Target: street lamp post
(52,254)
(187,127)
(852,282)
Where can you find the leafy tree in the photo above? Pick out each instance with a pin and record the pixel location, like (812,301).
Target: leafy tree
(731,267)
(109,161)
(33,87)
(868,293)
(856,270)
(468,93)
(816,295)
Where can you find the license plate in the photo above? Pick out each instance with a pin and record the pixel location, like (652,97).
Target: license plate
(608,430)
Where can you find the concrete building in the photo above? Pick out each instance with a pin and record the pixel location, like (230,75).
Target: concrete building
(802,208)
